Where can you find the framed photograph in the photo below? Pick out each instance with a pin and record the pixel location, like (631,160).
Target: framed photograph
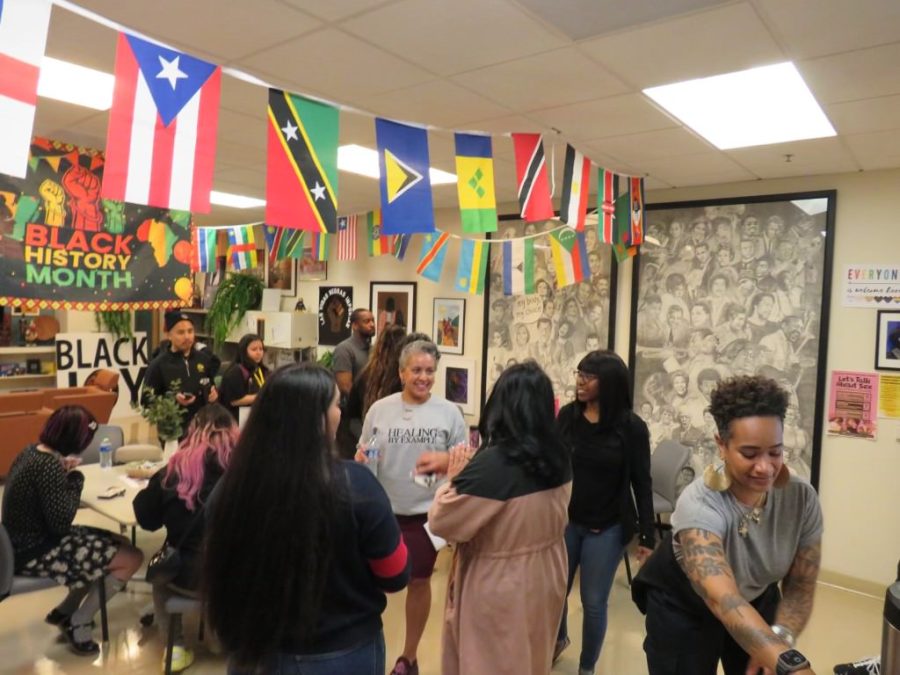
(393,302)
(733,287)
(455,381)
(282,275)
(449,324)
(887,343)
(554,326)
(309,269)
(335,307)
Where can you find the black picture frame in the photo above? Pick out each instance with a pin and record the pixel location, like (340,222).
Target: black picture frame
(404,297)
(887,344)
(792,347)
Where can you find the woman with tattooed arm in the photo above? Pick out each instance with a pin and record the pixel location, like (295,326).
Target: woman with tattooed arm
(711,590)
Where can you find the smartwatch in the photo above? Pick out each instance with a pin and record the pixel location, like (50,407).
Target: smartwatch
(790,662)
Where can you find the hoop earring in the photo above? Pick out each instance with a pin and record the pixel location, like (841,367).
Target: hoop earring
(716,478)
(783,477)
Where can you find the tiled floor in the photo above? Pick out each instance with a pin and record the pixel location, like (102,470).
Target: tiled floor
(844,626)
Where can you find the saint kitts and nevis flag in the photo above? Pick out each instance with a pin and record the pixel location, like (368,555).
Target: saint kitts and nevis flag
(301,167)
(472,269)
(475,183)
(161,141)
(518,266)
(379,242)
(242,247)
(431,261)
(576,185)
(23,37)
(406,205)
(531,176)
(569,254)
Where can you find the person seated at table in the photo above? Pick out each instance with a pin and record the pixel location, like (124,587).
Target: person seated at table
(42,494)
(175,498)
(245,377)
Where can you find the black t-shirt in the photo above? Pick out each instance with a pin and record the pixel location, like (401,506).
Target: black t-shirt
(237,382)
(598,462)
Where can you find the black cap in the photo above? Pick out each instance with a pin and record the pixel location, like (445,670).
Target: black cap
(174,316)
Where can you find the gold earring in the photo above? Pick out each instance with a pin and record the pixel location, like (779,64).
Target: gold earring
(716,479)
(784,475)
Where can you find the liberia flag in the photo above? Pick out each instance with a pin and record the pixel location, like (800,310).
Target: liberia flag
(531,173)
(576,184)
(346,238)
(23,36)
(161,143)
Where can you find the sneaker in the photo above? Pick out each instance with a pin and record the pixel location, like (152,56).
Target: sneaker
(404,667)
(560,647)
(870,666)
(79,638)
(181,658)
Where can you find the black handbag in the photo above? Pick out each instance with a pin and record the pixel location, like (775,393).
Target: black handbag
(165,564)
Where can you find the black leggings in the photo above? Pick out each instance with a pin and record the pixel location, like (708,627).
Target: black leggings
(683,643)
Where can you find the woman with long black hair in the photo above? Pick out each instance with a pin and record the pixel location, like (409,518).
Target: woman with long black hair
(245,377)
(610,449)
(301,546)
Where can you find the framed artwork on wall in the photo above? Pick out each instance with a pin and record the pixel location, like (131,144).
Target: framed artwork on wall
(281,275)
(393,302)
(455,381)
(554,326)
(733,287)
(887,343)
(449,324)
(310,269)
(335,308)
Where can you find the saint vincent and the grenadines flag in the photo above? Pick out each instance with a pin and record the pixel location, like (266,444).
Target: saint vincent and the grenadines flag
(475,183)
(569,257)
(301,171)
(406,205)
(472,269)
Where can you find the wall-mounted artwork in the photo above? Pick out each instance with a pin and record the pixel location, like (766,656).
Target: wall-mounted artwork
(449,324)
(887,344)
(455,381)
(393,302)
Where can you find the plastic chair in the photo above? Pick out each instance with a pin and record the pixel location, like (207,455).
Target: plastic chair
(666,464)
(91,454)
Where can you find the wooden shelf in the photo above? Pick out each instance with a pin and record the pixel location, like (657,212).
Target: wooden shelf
(27,377)
(26,351)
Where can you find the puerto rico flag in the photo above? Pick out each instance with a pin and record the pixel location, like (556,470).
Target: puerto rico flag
(161,143)
(23,36)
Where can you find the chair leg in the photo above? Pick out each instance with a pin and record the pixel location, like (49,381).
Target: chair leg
(200,631)
(104,621)
(627,567)
(170,644)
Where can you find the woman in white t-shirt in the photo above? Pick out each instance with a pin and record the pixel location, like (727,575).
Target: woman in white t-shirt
(711,590)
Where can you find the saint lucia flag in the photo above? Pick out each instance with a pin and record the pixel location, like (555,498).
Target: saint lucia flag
(406,204)
(475,183)
(203,247)
(518,266)
(569,257)
(472,268)
(242,251)
(434,248)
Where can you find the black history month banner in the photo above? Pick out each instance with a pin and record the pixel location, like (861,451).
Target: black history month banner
(63,247)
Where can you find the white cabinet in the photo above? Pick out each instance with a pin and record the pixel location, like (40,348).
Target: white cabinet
(285,330)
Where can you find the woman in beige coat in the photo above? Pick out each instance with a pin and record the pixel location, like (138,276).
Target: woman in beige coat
(506,512)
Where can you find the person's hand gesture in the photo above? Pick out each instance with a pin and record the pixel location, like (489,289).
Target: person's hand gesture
(460,454)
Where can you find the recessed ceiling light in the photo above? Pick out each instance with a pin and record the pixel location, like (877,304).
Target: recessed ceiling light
(364,162)
(235,201)
(76,84)
(760,106)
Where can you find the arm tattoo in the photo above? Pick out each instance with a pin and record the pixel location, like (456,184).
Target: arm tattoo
(702,557)
(798,588)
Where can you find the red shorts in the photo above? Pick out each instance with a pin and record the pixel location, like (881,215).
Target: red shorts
(418,545)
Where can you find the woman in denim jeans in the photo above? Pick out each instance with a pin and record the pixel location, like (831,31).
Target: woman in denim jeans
(610,448)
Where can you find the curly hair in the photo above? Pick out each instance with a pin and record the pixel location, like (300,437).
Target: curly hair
(746,396)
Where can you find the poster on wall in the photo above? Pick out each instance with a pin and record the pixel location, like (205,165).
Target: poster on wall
(889,396)
(554,326)
(732,287)
(853,405)
(872,286)
(335,307)
(63,247)
(80,355)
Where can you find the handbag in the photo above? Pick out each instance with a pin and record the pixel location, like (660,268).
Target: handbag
(165,564)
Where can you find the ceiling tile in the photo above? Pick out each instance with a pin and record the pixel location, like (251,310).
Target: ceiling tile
(553,78)
(252,181)
(81,41)
(817,156)
(453,37)
(337,65)
(243,97)
(77,125)
(703,44)
(847,25)
(704,169)
(636,148)
(226,30)
(628,114)
(873,114)
(234,150)
(855,75)
(437,103)
(879,150)
(334,10)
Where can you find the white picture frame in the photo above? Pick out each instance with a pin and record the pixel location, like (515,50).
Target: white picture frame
(448,325)
(455,381)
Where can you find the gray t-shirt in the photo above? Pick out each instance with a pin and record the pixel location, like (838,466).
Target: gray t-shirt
(404,431)
(350,356)
(791,519)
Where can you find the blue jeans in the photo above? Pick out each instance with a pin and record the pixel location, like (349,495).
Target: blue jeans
(598,554)
(364,659)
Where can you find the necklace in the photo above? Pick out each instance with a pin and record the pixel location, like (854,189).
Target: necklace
(753,515)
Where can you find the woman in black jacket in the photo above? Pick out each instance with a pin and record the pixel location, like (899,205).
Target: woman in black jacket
(245,377)
(175,499)
(610,448)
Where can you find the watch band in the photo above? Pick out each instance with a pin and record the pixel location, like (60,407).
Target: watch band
(791,661)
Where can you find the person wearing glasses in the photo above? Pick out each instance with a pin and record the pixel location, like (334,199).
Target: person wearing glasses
(612,497)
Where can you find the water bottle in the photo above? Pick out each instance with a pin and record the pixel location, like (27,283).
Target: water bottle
(372,449)
(106,461)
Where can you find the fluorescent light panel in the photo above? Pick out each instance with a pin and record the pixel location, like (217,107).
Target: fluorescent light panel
(364,162)
(76,84)
(760,106)
(235,201)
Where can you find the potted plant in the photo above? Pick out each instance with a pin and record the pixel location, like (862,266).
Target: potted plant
(235,295)
(167,415)
(116,322)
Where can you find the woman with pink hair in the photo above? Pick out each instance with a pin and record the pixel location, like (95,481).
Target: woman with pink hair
(174,499)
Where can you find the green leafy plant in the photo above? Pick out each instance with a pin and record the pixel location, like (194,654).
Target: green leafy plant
(236,294)
(117,323)
(164,412)
(326,360)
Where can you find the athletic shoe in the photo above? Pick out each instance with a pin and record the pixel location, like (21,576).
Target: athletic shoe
(870,666)
(404,667)
(181,658)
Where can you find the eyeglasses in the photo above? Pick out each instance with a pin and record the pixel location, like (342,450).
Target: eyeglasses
(586,377)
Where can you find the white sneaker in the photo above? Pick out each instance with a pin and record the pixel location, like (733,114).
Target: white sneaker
(869,666)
